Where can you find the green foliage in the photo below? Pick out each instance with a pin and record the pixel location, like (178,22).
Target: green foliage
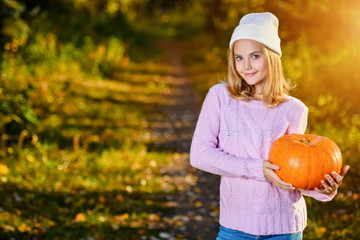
(73,143)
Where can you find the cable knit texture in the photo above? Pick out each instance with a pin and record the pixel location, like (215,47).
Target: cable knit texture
(232,138)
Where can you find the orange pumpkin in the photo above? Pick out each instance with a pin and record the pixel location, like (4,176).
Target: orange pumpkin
(305,159)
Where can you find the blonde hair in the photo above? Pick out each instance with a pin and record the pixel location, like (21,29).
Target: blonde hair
(275,87)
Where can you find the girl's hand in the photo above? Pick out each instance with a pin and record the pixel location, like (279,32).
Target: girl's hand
(332,182)
(272,177)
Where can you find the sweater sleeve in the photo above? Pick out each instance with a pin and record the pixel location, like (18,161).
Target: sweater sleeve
(298,119)
(298,125)
(319,196)
(205,153)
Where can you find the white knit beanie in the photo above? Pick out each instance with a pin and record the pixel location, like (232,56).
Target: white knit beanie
(261,27)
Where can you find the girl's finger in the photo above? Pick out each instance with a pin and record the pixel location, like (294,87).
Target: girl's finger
(274,166)
(284,187)
(271,165)
(282,184)
(287,185)
(338,178)
(327,188)
(333,184)
(322,191)
(344,170)
(336,175)
(319,190)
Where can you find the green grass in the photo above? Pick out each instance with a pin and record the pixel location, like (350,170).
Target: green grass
(60,194)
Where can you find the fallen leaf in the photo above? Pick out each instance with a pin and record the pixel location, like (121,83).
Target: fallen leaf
(80,217)
(120,198)
(153,217)
(102,199)
(120,219)
(198,204)
(24,228)
(171,204)
(7,228)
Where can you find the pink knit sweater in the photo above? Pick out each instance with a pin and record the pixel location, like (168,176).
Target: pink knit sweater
(232,139)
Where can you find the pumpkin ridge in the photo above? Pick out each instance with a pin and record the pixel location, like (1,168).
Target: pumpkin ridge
(315,155)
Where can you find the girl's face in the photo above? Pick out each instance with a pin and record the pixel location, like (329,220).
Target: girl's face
(251,63)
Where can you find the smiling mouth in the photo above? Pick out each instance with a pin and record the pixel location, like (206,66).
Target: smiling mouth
(249,74)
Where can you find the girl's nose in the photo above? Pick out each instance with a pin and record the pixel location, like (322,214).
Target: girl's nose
(247,64)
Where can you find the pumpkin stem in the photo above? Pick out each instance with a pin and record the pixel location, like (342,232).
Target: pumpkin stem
(304,140)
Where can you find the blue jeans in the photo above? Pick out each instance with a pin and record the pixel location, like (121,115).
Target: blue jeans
(230,234)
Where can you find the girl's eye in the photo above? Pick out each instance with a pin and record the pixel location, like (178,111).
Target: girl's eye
(238,58)
(255,56)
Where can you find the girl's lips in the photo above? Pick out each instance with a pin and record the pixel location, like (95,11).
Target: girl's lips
(249,74)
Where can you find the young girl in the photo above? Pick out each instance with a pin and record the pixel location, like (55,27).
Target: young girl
(238,123)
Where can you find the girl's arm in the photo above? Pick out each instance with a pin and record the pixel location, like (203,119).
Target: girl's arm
(205,153)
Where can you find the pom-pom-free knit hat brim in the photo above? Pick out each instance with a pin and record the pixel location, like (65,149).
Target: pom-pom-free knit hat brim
(261,27)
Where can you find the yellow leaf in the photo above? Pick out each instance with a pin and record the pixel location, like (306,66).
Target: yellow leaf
(179,223)
(102,199)
(136,224)
(7,228)
(30,158)
(153,217)
(80,217)
(24,228)
(10,150)
(17,211)
(216,210)
(120,198)
(120,219)
(355,196)
(321,230)
(4,169)
(171,204)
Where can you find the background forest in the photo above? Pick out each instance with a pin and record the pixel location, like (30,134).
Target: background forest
(79,79)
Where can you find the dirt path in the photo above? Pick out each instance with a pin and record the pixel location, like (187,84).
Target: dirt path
(196,209)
